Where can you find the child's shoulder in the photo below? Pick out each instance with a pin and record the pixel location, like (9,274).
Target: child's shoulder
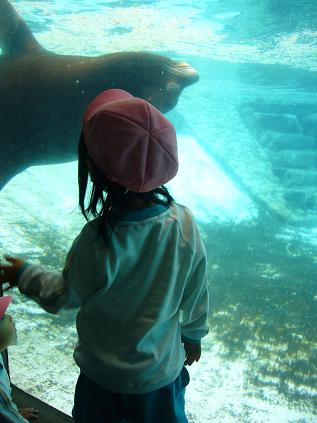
(186,223)
(181,212)
(90,230)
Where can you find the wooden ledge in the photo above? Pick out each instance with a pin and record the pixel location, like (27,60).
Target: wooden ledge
(47,413)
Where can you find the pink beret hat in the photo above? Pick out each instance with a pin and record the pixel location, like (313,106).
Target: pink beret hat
(130,141)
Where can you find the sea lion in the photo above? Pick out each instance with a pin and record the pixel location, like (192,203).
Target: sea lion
(43,95)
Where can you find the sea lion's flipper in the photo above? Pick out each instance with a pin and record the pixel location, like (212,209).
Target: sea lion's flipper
(15,36)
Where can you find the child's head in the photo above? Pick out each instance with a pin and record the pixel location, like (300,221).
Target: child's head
(8,334)
(128,147)
(130,141)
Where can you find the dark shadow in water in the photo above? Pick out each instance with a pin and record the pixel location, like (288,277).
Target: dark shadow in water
(276,75)
(263,19)
(264,307)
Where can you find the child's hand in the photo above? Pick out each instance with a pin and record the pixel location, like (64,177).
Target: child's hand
(193,353)
(29,414)
(9,273)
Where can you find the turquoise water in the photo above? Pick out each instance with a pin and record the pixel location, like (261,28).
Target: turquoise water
(248,170)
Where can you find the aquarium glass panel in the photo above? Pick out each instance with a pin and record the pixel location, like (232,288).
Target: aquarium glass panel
(247,141)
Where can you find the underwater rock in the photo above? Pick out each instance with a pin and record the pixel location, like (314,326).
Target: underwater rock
(247,114)
(302,199)
(306,219)
(311,202)
(294,159)
(310,124)
(296,198)
(281,141)
(280,172)
(299,177)
(277,122)
(311,220)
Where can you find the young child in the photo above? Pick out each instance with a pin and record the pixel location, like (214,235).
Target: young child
(8,410)
(137,271)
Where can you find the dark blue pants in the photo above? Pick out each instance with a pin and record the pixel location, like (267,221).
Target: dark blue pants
(94,404)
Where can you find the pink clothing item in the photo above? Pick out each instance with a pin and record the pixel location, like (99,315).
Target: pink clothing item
(4,303)
(130,141)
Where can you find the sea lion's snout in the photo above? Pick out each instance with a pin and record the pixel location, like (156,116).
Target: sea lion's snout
(182,75)
(176,77)
(189,74)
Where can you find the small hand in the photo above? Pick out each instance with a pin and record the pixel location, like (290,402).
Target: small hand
(9,273)
(193,353)
(29,414)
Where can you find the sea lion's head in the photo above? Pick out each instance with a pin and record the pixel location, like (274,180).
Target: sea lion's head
(167,82)
(157,79)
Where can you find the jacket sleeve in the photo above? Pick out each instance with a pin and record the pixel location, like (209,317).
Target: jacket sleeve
(71,287)
(195,302)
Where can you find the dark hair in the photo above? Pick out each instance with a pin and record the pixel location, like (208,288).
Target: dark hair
(110,207)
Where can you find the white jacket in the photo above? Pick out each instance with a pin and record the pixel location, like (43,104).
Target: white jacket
(8,410)
(137,296)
